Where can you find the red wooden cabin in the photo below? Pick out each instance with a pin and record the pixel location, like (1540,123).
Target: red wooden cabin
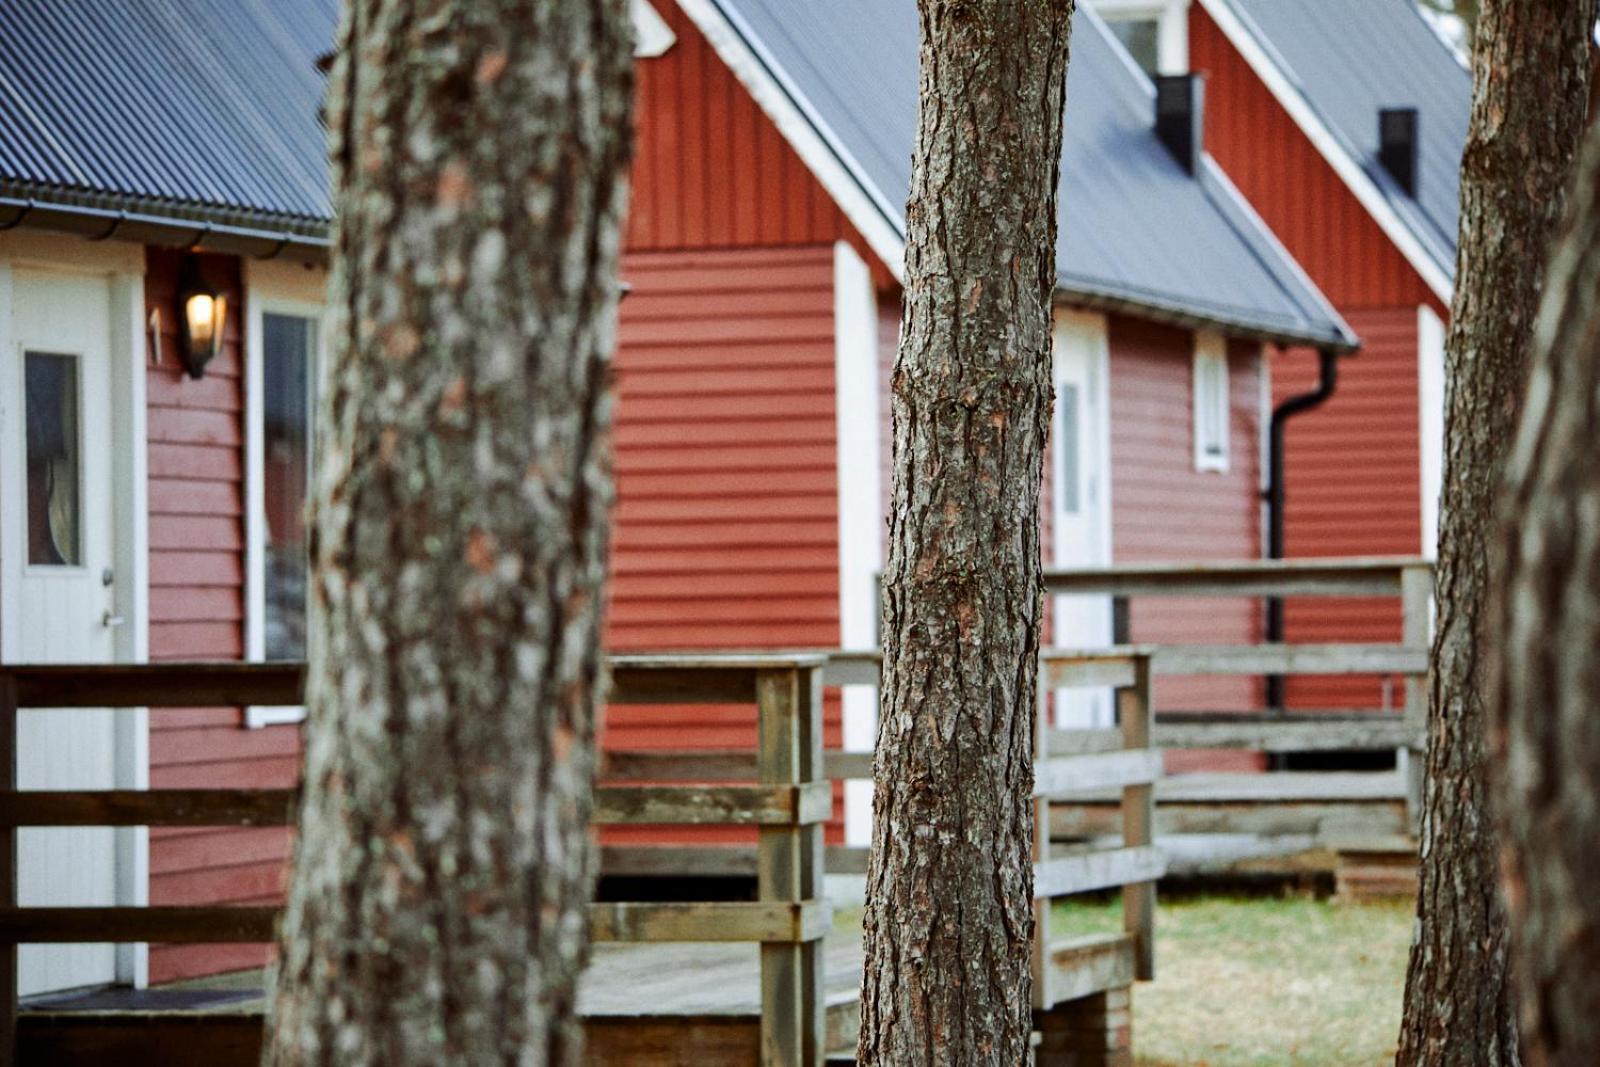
(1345,129)
(763,254)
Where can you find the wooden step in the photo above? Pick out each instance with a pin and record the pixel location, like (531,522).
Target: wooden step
(1376,869)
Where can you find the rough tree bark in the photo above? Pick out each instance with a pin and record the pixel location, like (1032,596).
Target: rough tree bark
(1546,670)
(437,906)
(950,881)
(1530,77)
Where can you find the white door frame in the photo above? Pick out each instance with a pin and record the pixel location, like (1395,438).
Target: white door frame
(1082,337)
(122,266)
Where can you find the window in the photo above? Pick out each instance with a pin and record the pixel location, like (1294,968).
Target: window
(284,343)
(1155,32)
(1142,38)
(1211,409)
(54,489)
(286,402)
(1067,439)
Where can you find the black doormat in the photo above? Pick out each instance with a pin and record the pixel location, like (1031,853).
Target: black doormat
(126,999)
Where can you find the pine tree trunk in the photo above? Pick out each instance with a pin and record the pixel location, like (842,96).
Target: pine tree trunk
(1530,76)
(950,881)
(1546,735)
(437,906)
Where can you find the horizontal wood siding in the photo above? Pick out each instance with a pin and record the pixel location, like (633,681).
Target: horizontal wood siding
(1354,490)
(1165,510)
(726,530)
(1292,186)
(1352,466)
(711,170)
(197,486)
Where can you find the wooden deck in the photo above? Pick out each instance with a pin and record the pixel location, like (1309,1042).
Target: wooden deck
(706,983)
(643,1005)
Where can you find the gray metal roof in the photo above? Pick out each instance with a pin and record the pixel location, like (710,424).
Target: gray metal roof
(1135,229)
(1354,57)
(194,109)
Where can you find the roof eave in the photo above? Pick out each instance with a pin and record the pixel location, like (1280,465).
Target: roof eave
(1188,317)
(101,217)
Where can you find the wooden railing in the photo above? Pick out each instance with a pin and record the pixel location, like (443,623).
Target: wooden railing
(1068,763)
(788,804)
(1408,579)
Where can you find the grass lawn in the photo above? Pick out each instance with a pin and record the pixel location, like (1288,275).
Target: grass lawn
(1262,982)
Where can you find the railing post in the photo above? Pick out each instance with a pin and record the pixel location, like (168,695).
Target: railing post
(789,867)
(8,869)
(1416,598)
(1041,852)
(1138,820)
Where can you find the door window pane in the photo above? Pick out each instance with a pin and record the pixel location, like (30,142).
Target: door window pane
(54,452)
(1067,442)
(287,343)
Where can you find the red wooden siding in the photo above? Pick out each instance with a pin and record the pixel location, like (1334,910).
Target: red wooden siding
(1353,465)
(1293,188)
(1354,490)
(1165,510)
(710,169)
(726,529)
(196,431)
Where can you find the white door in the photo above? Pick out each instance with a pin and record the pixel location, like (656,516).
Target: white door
(1081,505)
(57,547)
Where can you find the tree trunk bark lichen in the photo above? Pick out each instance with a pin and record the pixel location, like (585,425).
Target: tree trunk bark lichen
(1530,78)
(1546,736)
(437,905)
(949,887)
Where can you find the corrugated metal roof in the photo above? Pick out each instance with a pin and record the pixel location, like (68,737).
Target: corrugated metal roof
(1352,58)
(182,108)
(1135,228)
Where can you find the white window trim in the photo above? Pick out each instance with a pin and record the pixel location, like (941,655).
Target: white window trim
(1172,27)
(259,302)
(1211,350)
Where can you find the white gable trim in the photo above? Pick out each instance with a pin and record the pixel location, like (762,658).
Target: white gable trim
(822,152)
(1331,147)
(651,34)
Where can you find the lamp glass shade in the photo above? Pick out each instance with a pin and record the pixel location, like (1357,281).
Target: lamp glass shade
(204,315)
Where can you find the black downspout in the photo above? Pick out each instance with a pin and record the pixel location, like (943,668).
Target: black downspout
(1295,405)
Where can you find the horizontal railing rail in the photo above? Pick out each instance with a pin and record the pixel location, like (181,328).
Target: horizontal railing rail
(787,800)
(1278,730)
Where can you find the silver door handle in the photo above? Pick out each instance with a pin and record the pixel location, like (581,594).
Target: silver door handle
(109,620)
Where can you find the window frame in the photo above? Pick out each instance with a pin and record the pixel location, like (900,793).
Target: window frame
(258,306)
(1210,360)
(1172,27)
(26,348)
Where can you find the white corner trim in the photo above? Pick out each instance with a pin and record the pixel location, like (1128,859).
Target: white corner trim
(860,506)
(877,220)
(1211,357)
(11,494)
(131,560)
(652,36)
(1329,146)
(1430,421)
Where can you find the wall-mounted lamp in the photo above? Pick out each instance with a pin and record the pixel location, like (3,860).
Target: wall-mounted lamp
(202,314)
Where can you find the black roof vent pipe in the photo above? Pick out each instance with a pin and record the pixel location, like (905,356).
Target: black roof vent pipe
(1399,146)
(1181,117)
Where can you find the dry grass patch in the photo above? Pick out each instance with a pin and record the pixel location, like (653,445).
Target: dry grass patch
(1260,982)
